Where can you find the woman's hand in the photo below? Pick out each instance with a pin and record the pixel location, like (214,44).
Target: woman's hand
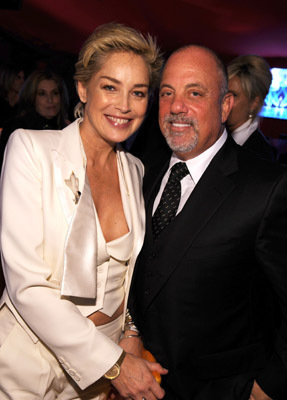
(136,380)
(257,393)
(132,345)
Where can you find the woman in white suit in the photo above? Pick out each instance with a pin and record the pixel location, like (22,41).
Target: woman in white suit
(72,224)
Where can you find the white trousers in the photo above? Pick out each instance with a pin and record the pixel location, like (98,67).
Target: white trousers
(29,371)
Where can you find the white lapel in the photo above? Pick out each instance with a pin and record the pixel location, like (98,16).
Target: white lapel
(68,158)
(80,261)
(133,174)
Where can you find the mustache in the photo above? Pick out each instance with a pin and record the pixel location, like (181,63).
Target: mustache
(180,119)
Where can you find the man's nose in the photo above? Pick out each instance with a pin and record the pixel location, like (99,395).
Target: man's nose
(178,105)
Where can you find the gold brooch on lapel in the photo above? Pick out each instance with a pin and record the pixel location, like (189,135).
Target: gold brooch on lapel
(73,184)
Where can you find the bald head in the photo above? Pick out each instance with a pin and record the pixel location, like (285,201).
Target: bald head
(201,51)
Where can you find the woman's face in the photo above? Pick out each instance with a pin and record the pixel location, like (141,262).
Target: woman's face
(115,98)
(48,99)
(242,107)
(18,82)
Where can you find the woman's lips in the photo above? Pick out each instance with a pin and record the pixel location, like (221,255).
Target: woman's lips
(116,121)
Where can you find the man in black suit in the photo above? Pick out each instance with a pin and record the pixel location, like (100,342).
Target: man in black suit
(209,293)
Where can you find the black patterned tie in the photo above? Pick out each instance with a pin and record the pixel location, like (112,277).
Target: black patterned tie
(168,205)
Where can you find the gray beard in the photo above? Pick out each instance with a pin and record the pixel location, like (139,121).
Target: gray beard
(169,134)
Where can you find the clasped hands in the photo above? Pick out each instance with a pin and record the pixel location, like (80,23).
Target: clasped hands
(136,380)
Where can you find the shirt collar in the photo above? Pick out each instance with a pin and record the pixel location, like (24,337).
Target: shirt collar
(198,164)
(242,133)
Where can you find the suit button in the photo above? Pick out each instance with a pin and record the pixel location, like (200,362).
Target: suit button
(66,366)
(147,291)
(148,274)
(152,256)
(77,377)
(71,372)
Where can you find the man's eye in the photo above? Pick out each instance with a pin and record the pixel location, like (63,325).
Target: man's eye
(165,94)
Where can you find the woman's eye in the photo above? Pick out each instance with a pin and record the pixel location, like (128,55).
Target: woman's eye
(109,88)
(41,93)
(56,93)
(138,93)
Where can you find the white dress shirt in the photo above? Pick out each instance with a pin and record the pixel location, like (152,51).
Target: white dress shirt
(196,167)
(243,132)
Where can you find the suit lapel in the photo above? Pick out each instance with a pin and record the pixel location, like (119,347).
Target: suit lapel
(133,177)
(68,158)
(211,191)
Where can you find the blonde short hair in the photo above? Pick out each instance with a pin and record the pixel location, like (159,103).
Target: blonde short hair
(254,74)
(114,37)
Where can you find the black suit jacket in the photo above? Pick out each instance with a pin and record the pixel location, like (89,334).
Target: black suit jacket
(203,294)
(259,145)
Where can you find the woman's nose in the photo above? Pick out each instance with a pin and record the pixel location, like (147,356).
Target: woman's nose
(123,103)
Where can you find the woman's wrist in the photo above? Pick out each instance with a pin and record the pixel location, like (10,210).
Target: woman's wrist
(129,335)
(129,324)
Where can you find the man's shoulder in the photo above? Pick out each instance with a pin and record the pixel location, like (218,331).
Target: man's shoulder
(259,173)
(241,165)
(248,159)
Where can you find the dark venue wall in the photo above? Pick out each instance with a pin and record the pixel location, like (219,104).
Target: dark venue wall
(11,4)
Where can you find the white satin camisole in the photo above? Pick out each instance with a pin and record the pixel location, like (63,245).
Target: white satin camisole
(112,263)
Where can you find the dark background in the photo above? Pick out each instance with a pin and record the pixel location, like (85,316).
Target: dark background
(49,33)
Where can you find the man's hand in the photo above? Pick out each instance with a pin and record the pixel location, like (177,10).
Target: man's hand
(257,393)
(136,380)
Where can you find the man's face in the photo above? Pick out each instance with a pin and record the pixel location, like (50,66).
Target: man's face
(191,115)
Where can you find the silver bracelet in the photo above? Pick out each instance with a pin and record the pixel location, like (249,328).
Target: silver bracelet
(130,336)
(129,323)
(131,327)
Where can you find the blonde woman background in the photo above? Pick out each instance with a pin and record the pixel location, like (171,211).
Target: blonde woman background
(249,79)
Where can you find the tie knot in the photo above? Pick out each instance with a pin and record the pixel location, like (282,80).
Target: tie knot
(178,171)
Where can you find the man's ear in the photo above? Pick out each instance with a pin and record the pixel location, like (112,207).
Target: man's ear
(82,92)
(226,106)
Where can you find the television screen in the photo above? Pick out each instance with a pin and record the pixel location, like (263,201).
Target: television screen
(275,104)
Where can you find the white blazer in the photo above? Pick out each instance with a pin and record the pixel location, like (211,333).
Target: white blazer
(37,207)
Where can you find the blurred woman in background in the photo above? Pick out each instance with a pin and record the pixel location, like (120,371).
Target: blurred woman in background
(43,104)
(11,82)
(249,79)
